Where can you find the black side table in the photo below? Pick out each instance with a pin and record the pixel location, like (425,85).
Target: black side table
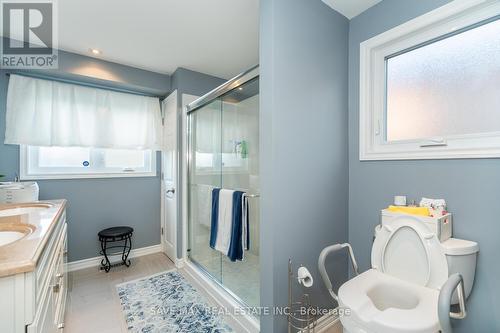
(115,234)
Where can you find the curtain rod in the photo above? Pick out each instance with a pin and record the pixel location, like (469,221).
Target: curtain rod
(85,84)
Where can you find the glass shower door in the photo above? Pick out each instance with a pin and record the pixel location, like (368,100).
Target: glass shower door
(205,173)
(224,153)
(240,171)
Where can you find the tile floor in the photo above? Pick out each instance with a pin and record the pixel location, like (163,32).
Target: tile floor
(93,304)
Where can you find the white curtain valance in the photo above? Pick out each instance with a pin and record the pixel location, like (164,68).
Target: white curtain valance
(49,113)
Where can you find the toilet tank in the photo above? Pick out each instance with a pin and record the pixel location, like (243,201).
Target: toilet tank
(461,256)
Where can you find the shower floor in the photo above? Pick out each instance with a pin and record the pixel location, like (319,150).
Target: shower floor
(241,277)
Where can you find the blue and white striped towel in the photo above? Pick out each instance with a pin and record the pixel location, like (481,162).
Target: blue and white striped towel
(229,223)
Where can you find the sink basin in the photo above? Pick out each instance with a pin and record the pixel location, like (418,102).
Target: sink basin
(10,233)
(7,237)
(24,209)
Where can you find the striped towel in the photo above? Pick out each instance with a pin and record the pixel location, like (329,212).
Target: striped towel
(229,223)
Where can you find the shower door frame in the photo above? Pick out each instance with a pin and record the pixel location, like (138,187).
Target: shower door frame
(234,83)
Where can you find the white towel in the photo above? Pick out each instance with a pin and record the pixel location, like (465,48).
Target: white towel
(225,218)
(434,203)
(437,207)
(244,243)
(204,198)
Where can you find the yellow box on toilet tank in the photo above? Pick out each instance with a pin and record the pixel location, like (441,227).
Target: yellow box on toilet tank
(441,226)
(423,211)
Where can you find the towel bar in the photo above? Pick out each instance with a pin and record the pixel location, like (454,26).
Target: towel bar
(248,195)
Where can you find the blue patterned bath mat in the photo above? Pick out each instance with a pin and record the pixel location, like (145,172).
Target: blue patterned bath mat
(166,302)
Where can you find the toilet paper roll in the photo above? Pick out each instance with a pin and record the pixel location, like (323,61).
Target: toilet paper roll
(304,276)
(400,200)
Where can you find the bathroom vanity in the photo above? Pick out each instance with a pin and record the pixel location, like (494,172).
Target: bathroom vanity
(33,279)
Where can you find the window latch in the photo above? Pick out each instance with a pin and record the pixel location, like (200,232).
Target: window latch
(128,170)
(436,142)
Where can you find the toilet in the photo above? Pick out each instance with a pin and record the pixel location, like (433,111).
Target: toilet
(410,263)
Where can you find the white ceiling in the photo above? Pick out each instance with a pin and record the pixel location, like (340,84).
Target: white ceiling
(217,37)
(351,8)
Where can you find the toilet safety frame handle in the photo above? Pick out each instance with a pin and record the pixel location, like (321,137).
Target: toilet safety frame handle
(454,282)
(322,268)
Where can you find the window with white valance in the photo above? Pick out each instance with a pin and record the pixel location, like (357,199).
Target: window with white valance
(50,113)
(112,133)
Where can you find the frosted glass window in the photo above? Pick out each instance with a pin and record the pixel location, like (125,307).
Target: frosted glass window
(448,88)
(60,157)
(121,158)
(83,162)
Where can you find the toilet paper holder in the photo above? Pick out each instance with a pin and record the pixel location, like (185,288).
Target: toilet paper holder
(301,313)
(304,277)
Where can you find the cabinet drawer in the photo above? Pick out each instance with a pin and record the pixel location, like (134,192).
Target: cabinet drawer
(51,289)
(50,254)
(60,289)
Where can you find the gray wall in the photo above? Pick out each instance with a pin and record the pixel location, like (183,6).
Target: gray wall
(92,71)
(304,160)
(471,187)
(94,204)
(189,82)
(194,83)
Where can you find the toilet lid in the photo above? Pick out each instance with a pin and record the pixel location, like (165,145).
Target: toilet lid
(407,249)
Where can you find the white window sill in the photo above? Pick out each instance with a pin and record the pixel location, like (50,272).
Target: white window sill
(89,176)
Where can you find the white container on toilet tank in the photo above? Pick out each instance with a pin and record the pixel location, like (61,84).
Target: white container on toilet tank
(18,192)
(440,226)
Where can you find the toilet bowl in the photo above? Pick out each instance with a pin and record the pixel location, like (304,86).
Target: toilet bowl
(381,303)
(400,293)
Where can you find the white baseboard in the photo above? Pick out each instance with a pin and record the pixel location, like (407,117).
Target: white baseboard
(179,263)
(245,323)
(96,261)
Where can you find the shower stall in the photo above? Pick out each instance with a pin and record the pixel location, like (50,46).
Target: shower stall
(223,152)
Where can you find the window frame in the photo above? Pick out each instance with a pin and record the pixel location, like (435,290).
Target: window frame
(449,19)
(24,173)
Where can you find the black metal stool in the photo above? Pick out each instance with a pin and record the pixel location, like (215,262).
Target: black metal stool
(115,234)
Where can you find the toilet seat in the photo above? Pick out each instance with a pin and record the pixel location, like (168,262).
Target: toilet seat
(380,303)
(408,250)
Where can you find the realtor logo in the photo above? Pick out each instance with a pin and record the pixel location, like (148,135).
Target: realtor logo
(29,34)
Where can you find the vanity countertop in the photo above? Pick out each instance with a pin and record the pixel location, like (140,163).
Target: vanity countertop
(22,255)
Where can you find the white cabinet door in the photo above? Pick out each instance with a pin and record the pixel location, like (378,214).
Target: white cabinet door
(169,176)
(44,319)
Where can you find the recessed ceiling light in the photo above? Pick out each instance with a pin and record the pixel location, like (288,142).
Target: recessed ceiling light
(95,51)
(240,88)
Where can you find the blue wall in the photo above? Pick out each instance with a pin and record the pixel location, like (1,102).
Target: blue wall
(471,187)
(304,160)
